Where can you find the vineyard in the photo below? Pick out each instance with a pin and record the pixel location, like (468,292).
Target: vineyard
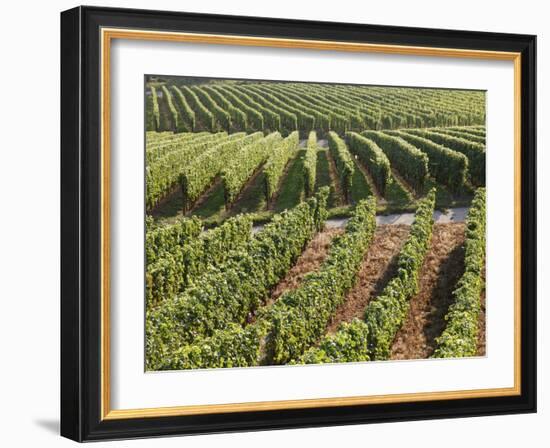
(266,242)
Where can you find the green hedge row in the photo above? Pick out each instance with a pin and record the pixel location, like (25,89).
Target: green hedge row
(460,335)
(254,118)
(242,165)
(156,109)
(222,117)
(204,116)
(229,292)
(370,154)
(163,174)
(461,134)
(409,161)
(386,313)
(186,113)
(475,152)
(310,164)
(348,344)
(447,166)
(175,270)
(276,163)
(345,165)
(272,120)
(238,117)
(150,124)
(198,175)
(168,239)
(178,124)
(300,316)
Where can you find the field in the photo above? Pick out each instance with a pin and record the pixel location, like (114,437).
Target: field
(292,223)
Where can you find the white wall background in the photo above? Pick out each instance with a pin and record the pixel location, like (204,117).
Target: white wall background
(29,228)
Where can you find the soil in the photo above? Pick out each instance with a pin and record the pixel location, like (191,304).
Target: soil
(442,268)
(310,260)
(376,270)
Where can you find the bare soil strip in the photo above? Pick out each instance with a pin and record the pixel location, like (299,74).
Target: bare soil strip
(404,184)
(377,268)
(335,181)
(442,268)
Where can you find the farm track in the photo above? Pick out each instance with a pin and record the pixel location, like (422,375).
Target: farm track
(377,268)
(442,267)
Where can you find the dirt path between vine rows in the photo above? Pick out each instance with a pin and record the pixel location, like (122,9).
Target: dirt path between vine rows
(377,268)
(442,267)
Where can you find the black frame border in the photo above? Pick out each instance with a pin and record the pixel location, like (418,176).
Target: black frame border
(81,223)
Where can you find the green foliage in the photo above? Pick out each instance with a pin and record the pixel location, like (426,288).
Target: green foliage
(150,124)
(475,152)
(179,126)
(156,110)
(410,162)
(222,117)
(385,314)
(447,166)
(176,269)
(205,119)
(228,292)
(373,158)
(238,170)
(277,160)
(198,175)
(168,239)
(187,115)
(300,316)
(348,344)
(238,117)
(167,159)
(310,164)
(344,162)
(460,335)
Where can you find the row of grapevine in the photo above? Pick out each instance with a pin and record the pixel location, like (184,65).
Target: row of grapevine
(227,293)
(163,173)
(447,166)
(460,335)
(179,126)
(310,163)
(371,338)
(386,313)
(286,107)
(243,164)
(475,152)
(175,269)
(301,316)
(277,162)
(344,162)
(223,119)
(198,175)
(370,154)
(204,117)
(461,134)
(411,163)
(187,115)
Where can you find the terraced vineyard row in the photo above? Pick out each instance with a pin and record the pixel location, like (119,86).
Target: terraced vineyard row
(287,107)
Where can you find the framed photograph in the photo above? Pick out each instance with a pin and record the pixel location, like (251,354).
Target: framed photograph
(272,224)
